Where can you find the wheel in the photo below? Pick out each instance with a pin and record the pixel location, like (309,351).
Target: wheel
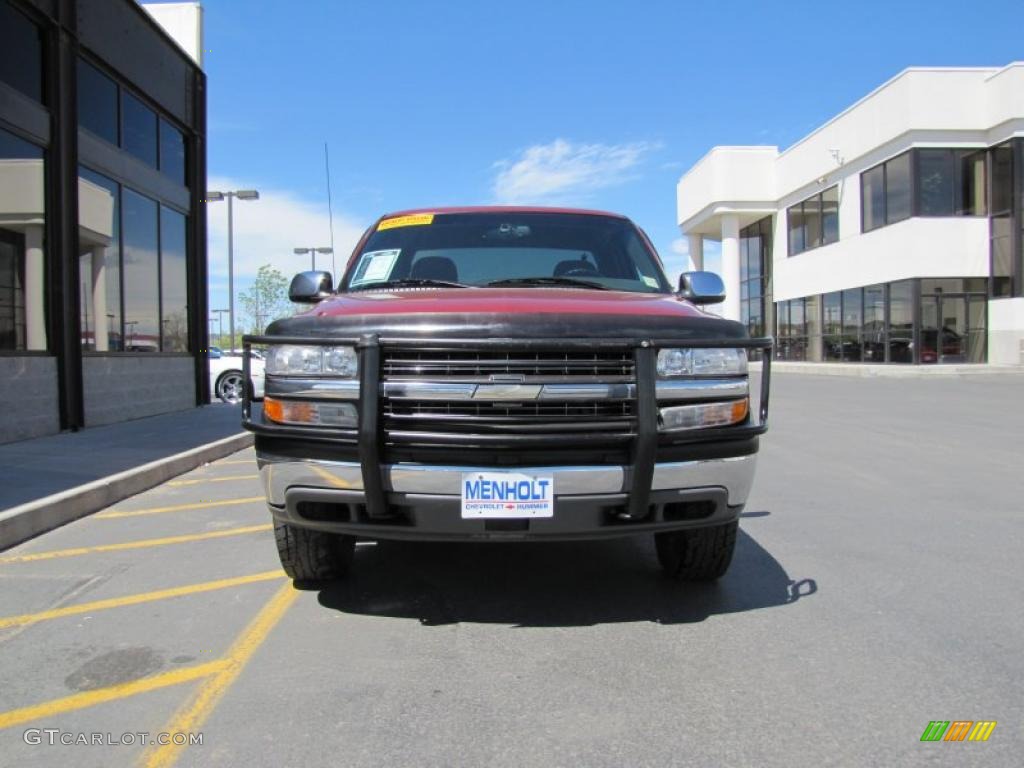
(308,555)
(698,554)
(230,387)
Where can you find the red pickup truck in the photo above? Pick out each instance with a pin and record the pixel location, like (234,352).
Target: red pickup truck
(497,374)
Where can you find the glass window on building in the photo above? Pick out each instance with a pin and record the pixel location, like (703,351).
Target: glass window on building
(830,215)
(1001,222)
(172,152)
(97,102)
(901,322)
(138,129)
(173,281)
(798,330)
(953,312)
(935,182)
(832,339)
(141,272)
(886,193)
(971,199)
(22,245)
(21,65)
(790,330)
(814,222)
(795,223)
(872,191)
(853,319)
(99,262)
(873,329)
(755,262)
(897,189)
(950,182)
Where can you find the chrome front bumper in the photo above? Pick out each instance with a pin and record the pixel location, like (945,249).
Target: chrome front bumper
(281,474)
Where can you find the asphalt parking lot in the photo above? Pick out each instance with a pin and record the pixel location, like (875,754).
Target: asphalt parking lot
(876,587)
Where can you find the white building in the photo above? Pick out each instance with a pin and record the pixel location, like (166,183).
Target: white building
(892,233)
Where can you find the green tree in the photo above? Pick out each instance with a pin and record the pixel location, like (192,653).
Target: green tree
(267,298)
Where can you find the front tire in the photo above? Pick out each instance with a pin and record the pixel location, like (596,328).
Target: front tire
(698,554)
(308,555)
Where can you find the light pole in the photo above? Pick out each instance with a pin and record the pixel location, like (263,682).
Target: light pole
(312,254)
(131,333)
(220,315)
(213,197)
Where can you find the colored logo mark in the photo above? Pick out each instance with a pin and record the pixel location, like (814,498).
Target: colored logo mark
(958,730)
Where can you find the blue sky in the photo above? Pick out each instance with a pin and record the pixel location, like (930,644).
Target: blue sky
(595,104)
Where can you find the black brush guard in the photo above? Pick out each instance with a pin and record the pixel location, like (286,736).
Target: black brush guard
(367,438)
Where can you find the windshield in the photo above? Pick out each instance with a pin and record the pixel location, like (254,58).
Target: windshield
(512,249)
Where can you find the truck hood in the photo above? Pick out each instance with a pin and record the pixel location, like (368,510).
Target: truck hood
(509,313)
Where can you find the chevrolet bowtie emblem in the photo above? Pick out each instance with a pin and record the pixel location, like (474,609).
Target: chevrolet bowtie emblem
(507,392)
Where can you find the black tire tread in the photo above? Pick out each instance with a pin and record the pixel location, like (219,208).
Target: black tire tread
(699,554)
(308,555)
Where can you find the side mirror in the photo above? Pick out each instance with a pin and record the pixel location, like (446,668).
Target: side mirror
(310,287)
(701,287)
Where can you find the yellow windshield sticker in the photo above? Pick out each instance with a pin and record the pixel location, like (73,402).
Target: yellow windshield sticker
(415,220)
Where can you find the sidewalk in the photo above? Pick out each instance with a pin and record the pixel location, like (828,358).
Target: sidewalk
(51,480)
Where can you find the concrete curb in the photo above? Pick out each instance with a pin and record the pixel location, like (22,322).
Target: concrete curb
(871,370)
(21,523)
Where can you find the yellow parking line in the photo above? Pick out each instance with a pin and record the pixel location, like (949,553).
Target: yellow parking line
(233,461)
(142,597)
(177,483)
(140,544)
(49,709)
(191,716)
(116,513)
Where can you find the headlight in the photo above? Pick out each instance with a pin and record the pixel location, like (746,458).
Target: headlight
(702,362)
(297,360)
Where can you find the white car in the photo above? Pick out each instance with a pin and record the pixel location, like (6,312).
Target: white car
(226,375)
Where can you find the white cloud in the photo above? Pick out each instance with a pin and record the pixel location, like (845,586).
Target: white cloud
(681,246)
(566,172)
(266,231)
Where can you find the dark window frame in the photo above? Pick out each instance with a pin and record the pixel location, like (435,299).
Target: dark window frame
(819,199)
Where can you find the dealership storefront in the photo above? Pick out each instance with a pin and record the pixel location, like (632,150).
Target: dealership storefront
(910,321)
(102,227)
(888,235)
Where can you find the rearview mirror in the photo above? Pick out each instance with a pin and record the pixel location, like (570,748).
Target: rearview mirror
(701,287)
(310,287)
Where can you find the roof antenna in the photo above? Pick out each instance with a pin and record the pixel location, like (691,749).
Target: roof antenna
(330,212)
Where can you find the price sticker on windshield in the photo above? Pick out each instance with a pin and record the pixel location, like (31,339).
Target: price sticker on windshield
(375,266)
(413,220)
(507,495)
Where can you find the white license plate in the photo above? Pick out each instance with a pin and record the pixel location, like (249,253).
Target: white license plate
(507,494)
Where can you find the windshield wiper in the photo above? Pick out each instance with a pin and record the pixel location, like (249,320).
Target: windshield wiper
(409,282)
(513,281)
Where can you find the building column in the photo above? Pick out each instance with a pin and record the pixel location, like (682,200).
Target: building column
(101,341)
(731,266)
(696,249)
(35,287)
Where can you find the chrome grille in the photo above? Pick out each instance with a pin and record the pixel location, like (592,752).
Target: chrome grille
(610,365)
(545,415)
